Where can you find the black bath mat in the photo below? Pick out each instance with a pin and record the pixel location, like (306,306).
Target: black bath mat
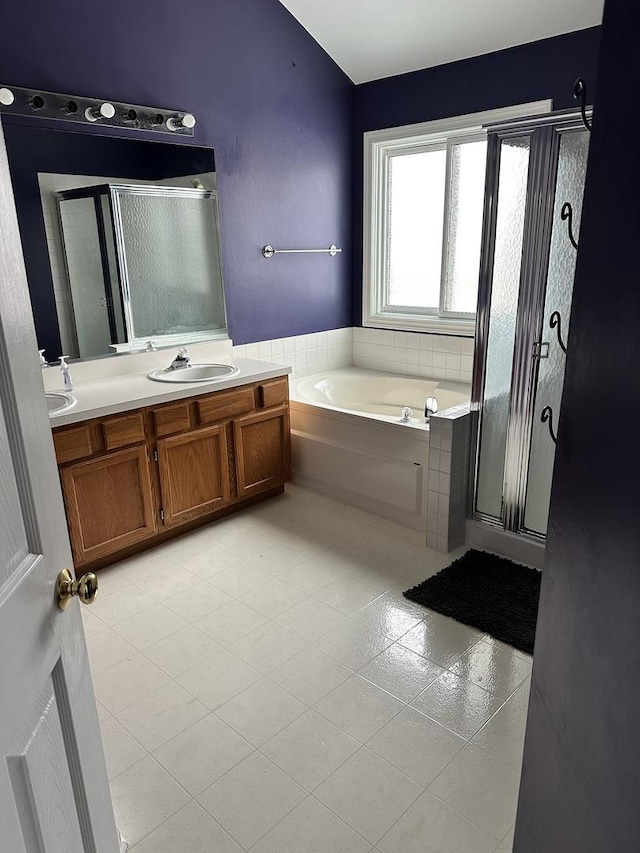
(487,592)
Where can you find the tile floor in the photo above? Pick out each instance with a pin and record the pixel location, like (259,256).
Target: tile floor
(264,686)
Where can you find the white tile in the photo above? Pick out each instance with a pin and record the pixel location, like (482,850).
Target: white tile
(164,583)
(218,679)
(310,576)
(251,798)
(310,619)
(503,735)
(277,559)
(481,788)
(161,715)
(389,617)
(106,649)
(310,675)
(440,639)
(239,579)
(369,794)
(311,828)
(127,681)
(148,627)
(116,608)
(457,704)
(136,569)
(359,708)
(401,672)
(494,668)
(267,647)
(353,644)
(431,826)
(181,651)
(121,750)
(189,829)
(184,547)
(310,749)
(91,624)
(261,711)
(203,753)
(347,595)
(210,562)
(144,796)
(273,597)
(418,746)
(230,623)
(198,600)
(521,695)
(245,543)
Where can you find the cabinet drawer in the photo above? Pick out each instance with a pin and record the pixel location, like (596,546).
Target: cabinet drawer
(72,444)
(274,393)
(119,432)
(171,419)
(219,407)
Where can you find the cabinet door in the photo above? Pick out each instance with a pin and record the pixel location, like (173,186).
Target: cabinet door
(109,503)
(194,474)
(263,450)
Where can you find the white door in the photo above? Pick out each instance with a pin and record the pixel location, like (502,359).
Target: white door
(54,794)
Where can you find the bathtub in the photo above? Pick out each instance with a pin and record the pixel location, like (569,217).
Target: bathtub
(349,443)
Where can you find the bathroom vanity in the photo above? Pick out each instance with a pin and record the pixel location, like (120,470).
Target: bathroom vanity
(138,477)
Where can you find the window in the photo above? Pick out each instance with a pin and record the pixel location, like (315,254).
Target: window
(424,200)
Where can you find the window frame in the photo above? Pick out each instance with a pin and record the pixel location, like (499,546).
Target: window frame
(379,146)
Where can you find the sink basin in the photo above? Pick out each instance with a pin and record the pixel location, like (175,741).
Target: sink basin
(59,401)
(194,373)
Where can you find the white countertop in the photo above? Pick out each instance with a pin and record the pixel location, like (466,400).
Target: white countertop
(110,395)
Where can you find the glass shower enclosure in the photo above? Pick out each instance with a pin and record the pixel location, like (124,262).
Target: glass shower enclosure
(143,264)
(535,181)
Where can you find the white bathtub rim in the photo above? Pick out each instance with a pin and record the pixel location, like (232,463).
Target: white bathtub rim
(417,422)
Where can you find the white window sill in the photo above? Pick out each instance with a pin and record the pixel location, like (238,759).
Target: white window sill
(420,323)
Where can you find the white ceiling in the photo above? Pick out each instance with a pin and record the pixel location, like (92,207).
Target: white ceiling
(370,39)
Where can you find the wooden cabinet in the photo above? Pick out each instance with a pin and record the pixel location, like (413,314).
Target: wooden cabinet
(194,474)
(262,450)
(134,479)
(109,503)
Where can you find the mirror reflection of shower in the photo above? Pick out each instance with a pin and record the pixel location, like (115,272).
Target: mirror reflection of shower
(138,263)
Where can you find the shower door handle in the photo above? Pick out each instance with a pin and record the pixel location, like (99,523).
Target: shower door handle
(540,349)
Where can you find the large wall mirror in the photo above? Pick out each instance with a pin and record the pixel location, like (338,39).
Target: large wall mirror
(121,240)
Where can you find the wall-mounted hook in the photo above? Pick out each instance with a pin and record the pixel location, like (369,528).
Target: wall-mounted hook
(567,213)
(580,94)
(555,321)
(547,415)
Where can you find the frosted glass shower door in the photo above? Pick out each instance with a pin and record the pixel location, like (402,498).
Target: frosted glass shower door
(572,167)
(170,260)
(507,260)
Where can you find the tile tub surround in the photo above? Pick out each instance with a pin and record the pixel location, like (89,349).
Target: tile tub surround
(410,353)
(449,471)
(379,727)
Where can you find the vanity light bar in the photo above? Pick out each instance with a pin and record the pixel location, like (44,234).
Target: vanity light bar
(32,102)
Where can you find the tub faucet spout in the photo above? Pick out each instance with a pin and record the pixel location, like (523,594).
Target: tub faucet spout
(430,408)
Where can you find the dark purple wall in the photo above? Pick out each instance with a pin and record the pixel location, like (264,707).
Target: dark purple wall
(531,72)
(270,101)
(580,785)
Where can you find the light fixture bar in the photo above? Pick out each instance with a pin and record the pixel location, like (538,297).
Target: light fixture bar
(15,100)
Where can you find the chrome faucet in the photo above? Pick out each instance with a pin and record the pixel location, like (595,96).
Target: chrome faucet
(430,408)
(180,361)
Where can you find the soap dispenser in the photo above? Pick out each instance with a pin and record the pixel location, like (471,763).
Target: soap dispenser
(66,373)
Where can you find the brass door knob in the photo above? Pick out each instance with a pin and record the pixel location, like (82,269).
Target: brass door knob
(86,588)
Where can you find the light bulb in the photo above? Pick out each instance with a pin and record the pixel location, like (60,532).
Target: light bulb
(187,122)
(105,110)
(6,97)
